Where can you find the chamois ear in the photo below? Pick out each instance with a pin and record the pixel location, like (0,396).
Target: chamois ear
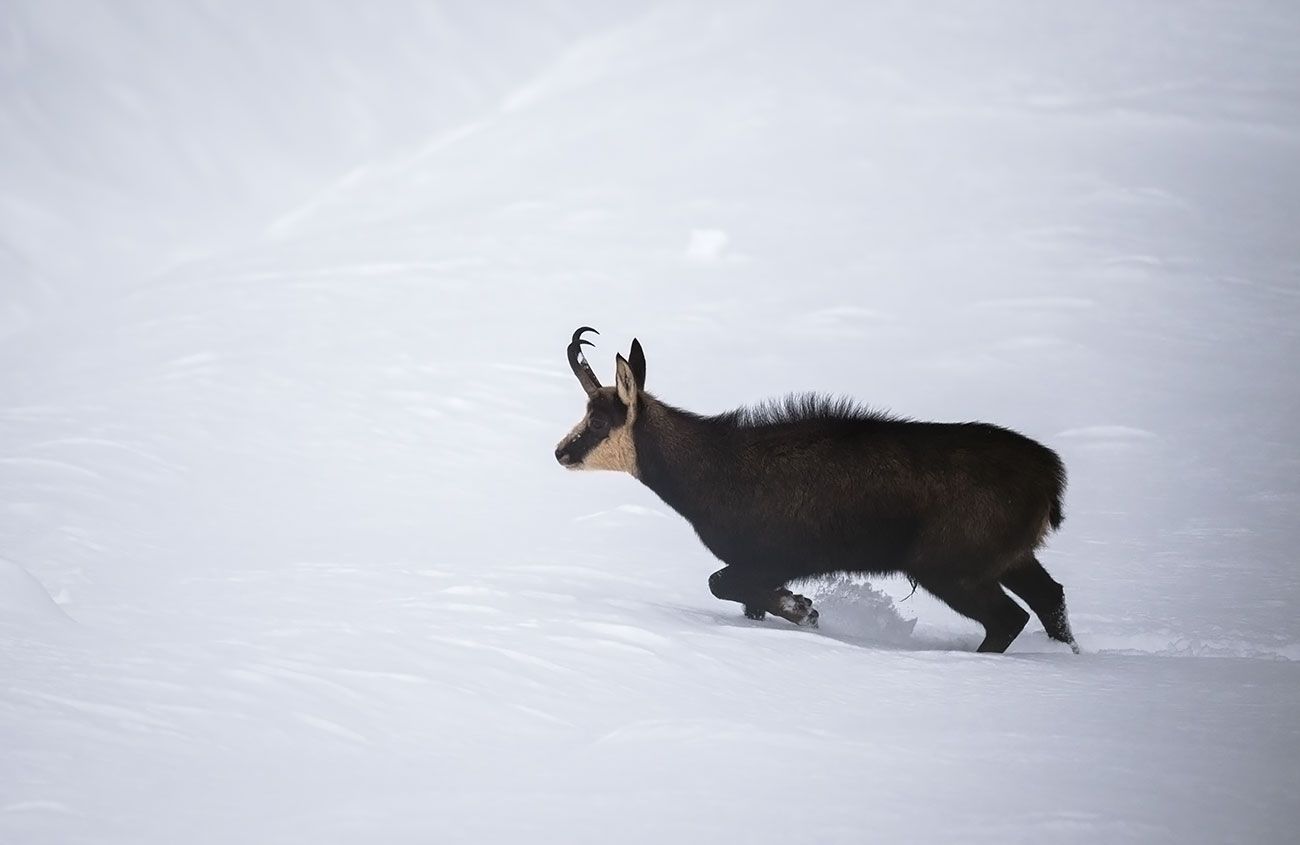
(625,381)
(637,359)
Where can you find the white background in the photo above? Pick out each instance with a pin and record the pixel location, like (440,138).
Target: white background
(284,293)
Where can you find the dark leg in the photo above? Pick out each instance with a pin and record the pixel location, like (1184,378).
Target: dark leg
(1045,597)
(1001,617)
(761,594)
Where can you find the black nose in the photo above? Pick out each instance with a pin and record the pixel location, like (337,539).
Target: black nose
(562,455)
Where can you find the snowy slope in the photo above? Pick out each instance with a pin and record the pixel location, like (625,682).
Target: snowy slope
(284,552)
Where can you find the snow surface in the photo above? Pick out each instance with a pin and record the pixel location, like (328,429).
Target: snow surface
(285,555)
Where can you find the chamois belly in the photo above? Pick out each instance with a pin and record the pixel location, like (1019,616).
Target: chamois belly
(849,542)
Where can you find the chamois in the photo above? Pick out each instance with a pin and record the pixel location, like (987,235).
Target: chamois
(812,485)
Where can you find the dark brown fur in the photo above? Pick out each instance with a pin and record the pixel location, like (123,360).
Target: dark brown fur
(811,485)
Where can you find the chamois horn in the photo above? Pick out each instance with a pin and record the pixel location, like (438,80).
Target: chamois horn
(578,361)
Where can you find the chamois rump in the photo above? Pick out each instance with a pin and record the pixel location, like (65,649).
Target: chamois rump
(811,485)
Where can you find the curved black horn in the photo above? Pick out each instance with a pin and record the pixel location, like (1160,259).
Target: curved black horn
(578,361)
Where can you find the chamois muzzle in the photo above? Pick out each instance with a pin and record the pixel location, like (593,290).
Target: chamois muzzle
(578,361)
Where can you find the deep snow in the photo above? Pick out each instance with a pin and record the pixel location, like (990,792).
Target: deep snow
(284,552)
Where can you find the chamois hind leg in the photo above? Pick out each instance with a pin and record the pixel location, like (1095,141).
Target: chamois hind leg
(1002,618)
(761,593)
(1046,598)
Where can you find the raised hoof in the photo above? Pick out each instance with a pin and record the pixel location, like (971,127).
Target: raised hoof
(798,609)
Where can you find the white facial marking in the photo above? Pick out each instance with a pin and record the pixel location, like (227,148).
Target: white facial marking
(617,452)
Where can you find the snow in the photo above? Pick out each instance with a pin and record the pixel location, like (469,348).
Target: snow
(707,245)
(285,555)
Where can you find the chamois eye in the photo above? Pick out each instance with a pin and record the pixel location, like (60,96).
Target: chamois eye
(599,423)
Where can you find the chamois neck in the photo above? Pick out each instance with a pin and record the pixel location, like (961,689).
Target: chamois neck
(675,451)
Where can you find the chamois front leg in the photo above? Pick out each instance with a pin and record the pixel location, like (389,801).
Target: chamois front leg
(760,598)
(793,607)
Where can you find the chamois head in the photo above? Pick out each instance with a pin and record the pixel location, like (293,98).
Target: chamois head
(602,439)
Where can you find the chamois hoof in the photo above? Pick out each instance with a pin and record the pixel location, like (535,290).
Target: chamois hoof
(799,610)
